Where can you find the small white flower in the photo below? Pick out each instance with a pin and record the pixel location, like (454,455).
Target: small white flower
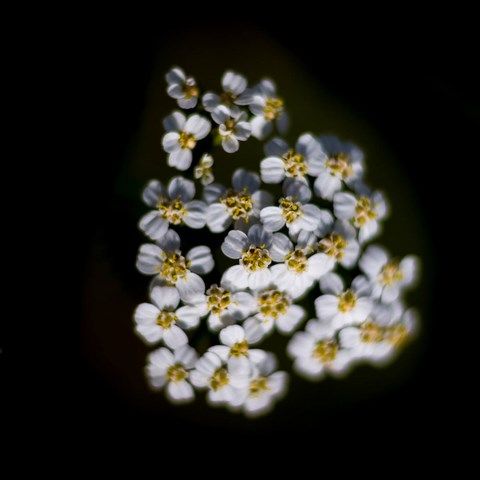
(182,136)
(182,88)
(161,320)
(387,276)
(293,210)
(166,262)
(284,162)
(265,387)
(268,109)
(316,352)
(223,306)
(342,307)
(203,171)
(172,369)
(363,211)
(235,349)
(233,128)
(241,204)
(343,163)
(224,387)
(173,206)
(253,250)
(380,335)
(275,308)
(234,93)
(298,268)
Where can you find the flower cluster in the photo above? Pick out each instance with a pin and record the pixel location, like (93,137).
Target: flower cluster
(280,250)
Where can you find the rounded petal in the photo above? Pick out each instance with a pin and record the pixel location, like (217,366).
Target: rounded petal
(174,337)
(235,278)
(326,185)
(170,142)
(188,316)
(244,179)
(272,170)
(181,188)
(180,391)
(198,126)
(259,279)
(217,217)
(344,205)
(261,127)
(232,334)
(210,101)
(234,244)
(201,260)
(234,83)
(230,143)
(196,214)
(152,192)
(170,242)
(165,298)
(326,307)
(153,225)
(174,122)
(272,218)
(281,246)
(180,159)
(190,286)
(149,259)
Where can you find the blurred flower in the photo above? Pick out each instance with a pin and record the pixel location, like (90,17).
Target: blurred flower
(203,171)
(182,88)
(173,206)
(183,134)
(165,260)
(173,370)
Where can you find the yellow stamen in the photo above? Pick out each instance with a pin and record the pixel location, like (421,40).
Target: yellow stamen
(258,386)
(172,210)
(297,261)
(273,303)
(273,108)
(333,245)
(347,301)
(174,267)
(239,349)
(291,210)
(218,299)
(239,205)
(371,332)
(391,273)
(325,351)
(187,140)
(364,212)
(176,373)
(219,379)
(256,258)
(340,165)
(294,164)
(166,319)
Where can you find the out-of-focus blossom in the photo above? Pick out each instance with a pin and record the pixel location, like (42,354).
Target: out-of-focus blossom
(182,88)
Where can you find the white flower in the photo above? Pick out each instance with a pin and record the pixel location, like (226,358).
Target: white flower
(234,93)
(172,369)
(316,351)
(265,387)
(293,210)
(240,204)
(233,127)
(173,206)
(343,163)
(253,250)
(203,171)
(342,307)
(222,305)
(363,211)
(282,161)
(388,276)
(274,307)
(165,260)
(161,320)
(183,134)
(182,88)
(268,109)
(380,335)
(224,387)
(298,269)
(235,349)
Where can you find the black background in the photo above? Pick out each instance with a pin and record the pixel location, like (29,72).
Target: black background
(412,80)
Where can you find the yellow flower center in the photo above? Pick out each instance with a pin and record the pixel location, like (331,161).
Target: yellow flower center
(218,299)
(187,140)
(172,210)
(227,98)
(190,91)
(397,335)
(256,258)
(296,261)
(230,124)
(340,165)
(371,332)
(325,351)
(239,205)
(391,273)
(273,303)
(166,319)
(333,245)
(239,349)
(258,386)
(294,164)
(204,170)
(273,108)
(219,379)
(174,267)
(290,210)
(364,212)
(346,301)
(176,373)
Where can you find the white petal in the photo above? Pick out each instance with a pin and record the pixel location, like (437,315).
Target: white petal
(180,391)
(181,188)
(234,244)
(290,321)
(175,75)
(301,345)
(326,185)
(170,242)
(239,365)
(165,297)
(368,231)
(212,192)
(344,205)
(174,337)
(201,260)
(196,214)
(198,126)
(259,279)
(149,259)
(146,313)
(232,334)
(244,179)
(187,102)
(311,217)
(190,286)
(272,218)
(276,147)
(230,143)
(257,235)
(319,264)
(153,225)
(174,122)
(220,114)
(299,190)
(152,192)
(170,142)
(326,307)
(210,101)
(261,127)
(235,278)
(181,159)
(331,283)
(188,316)
(234,83)
(217,217)
(272,170)
(373,260)
(281,246)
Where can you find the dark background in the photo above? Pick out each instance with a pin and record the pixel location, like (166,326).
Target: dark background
(406,88)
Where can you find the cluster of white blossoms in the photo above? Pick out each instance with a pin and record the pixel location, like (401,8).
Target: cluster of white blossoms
(280,249)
